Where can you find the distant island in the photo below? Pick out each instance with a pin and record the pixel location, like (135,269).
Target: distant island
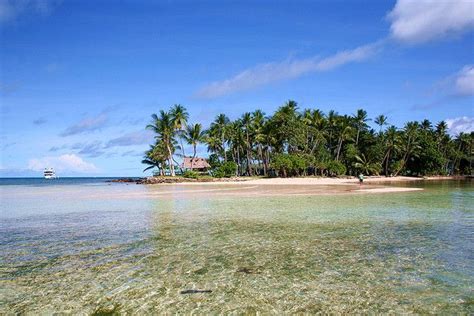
(307,142)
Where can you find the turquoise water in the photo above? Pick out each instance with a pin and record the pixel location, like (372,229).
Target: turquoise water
(95,247)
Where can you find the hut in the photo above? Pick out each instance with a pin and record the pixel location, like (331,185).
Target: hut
(198,164)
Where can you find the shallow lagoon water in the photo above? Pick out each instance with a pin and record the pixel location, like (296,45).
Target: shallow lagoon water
(92,247)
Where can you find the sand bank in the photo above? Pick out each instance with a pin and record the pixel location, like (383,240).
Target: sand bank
(307,181)
(285,187)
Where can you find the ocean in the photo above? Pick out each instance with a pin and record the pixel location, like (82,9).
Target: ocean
(84,245)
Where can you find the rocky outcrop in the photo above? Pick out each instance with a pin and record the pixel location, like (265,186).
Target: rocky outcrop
(125,180)
(160,180)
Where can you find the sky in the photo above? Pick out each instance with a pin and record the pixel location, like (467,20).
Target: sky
(79,80)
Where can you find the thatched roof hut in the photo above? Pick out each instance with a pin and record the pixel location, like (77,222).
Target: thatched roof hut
(196,163)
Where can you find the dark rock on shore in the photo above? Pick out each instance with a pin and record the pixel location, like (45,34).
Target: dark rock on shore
(159,180)
(125,180)
(171,180)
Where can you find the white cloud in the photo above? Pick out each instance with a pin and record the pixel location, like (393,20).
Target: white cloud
(63,163)
(460,124)
(11,9)
(464,81)
(419,21)
(133,138)
(86,125)
(277,71)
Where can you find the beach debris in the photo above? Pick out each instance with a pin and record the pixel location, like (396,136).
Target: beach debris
(247,270)
(195,291)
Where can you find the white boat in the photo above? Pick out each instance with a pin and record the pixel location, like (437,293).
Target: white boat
(49,173)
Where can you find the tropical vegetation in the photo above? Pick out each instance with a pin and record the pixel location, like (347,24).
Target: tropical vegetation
(302,142)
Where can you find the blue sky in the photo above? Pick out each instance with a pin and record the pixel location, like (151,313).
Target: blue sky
(80,79)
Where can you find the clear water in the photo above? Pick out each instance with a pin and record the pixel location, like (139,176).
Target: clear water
(93,247)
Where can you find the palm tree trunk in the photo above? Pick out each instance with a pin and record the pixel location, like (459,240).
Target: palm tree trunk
(262,158)
(194,156)
(387,159)
(170,159)
(249,169)
(339,146)
(238,162)
(182,147)
(223,148)
(404,161)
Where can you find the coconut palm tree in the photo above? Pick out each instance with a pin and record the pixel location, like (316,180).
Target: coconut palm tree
(164,127)
(409,143)
(345,133)
(426,125)
(258,125)
(331,126)
(361,122)
(237,142)
(318,130)
(180,117)
(155,157)
(312,141)
(367,166)
(284,123)
(194,134)
(247,127)
(381,121)
(392,141)
(219,127)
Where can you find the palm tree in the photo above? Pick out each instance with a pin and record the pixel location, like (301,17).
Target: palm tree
(194,135)
(465,144)
(155,157)
(237,142)
(258,124)
(310,140)
(318,131)
(425,125)
(180,116)
(345,134)
(392,140)
(381,121)
(219,127)
(284,123)
(409,143)
(246,124)
(331,125)
(360,122)
(164,127)
(441,133)
(367,166)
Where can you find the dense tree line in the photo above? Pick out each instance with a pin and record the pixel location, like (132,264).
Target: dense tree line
(309,142)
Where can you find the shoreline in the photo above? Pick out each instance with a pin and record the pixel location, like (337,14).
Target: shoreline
(285,181)
(307,186)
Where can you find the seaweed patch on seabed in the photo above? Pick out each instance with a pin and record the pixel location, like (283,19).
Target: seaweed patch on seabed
(255,256)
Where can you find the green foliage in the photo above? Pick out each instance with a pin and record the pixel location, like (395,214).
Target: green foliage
(292,164)
(367,166)
(294,142)
(213,161)
(218,173)
(336,168)
(227,169)
(190,174)
(282,164)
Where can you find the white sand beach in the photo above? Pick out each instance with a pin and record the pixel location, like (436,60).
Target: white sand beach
(287,186)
